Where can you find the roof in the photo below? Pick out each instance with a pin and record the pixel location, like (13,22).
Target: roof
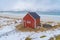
(34,15)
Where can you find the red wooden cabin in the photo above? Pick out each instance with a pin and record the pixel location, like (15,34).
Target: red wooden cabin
(31,20)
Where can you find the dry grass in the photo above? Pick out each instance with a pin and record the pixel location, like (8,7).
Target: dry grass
(10,18)
(8,22)
(56,38)
(28,38)
(50,22)
(43,36)
(56,26)
(51,38)
(20,27)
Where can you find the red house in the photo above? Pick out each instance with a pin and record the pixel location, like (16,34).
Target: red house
(31,20)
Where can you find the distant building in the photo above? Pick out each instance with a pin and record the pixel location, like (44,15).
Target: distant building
(31,20)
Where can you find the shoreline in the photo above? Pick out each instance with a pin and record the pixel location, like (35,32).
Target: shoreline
(45,18)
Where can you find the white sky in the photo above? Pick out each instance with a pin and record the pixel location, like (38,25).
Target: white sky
(42,5)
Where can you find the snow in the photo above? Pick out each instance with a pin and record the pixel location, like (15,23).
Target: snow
(35,36)
(6,29)
(8,32)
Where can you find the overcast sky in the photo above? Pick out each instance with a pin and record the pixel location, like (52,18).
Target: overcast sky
(42,5)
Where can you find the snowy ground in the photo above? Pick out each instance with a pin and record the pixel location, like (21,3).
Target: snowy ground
(8,32)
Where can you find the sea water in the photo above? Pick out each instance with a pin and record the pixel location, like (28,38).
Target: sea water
(44,16)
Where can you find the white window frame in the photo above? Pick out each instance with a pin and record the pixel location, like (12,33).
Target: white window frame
(28,21)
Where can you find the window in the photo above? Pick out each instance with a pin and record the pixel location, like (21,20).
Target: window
(28,21)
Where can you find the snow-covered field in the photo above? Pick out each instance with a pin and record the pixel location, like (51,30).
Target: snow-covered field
(8,31)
